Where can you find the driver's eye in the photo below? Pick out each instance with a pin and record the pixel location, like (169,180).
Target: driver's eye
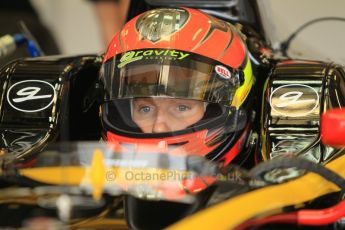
(183,108)
(145,109)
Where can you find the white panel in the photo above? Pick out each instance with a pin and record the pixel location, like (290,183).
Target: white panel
(73,24)
(323,40)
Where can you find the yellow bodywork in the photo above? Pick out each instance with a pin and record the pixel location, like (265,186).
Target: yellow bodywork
(265,201)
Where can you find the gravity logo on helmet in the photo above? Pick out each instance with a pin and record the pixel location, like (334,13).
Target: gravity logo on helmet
(129,57)
(163,23)
(132,56)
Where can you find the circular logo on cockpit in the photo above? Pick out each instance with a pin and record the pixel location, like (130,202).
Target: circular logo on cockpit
(31,95)
(294,100)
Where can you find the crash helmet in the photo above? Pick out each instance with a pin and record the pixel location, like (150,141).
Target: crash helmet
(177,81)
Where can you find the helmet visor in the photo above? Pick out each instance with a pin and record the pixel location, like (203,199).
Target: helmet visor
(168,73)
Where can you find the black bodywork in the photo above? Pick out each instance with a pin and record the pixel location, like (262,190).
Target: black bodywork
(27,126)
(301,91)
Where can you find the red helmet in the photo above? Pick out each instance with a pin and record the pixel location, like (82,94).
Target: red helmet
(177,80)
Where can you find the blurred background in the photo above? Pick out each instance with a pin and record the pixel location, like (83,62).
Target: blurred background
(73,24)
(76,29)
(323,40)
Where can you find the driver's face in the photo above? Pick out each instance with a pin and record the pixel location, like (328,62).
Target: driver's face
(157,115)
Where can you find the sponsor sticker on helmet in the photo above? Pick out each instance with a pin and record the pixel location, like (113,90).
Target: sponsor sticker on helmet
(153,54)
(222,71)
(128,57)
(156,25)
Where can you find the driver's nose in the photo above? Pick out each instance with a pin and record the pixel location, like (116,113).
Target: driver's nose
(161,123)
